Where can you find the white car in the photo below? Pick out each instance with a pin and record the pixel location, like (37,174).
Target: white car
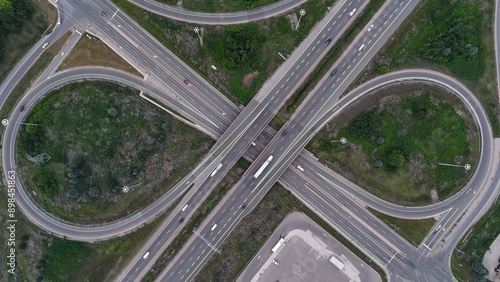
(45,45)
(361,47)
(300,168)
(213,227)
(352,12)
(371,27)
(275,262)
(146,255)
(58,20)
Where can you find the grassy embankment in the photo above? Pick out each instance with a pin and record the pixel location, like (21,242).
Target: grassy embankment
(93,52)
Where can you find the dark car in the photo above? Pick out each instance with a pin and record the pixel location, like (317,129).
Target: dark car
(328,41)
(334,72)
(23,107)
(497,269)
(104,13)
(187,82)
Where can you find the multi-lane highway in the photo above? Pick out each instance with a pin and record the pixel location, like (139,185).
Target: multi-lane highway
(285,147)
(151,59)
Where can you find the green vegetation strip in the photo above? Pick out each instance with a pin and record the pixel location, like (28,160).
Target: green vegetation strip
(44,257)
(245,55)
(471,249)
(412,230)
(374,256)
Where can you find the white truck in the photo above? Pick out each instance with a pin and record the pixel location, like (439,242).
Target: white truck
(264,165)
(219,166)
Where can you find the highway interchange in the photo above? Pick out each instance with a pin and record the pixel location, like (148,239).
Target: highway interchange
(216,116)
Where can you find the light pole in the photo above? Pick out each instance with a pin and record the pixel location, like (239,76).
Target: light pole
(466,166)
(302,12)
(197,31)
(342,140)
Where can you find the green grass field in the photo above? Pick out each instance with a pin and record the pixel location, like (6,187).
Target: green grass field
(412,230)
(245,55)
(394,146)
(105,136)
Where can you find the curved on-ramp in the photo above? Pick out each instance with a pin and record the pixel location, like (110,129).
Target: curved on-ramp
(482,168)
(123,226)
(176,13)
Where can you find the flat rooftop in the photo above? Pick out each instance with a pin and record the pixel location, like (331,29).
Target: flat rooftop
(299,262)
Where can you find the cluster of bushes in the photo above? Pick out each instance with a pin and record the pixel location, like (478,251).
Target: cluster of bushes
(236,46)
(63,257)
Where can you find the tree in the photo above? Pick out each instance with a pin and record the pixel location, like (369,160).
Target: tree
(112,111)
(94,192)
(73,193)
(396,158)
(378,163)
(380,140)
(383,69)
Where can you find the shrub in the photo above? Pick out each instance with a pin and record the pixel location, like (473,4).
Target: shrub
(383,69)
(73,193)
(396,158)
(94,192)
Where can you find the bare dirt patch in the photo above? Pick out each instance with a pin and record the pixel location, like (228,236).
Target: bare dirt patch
(91,51)
(249,78)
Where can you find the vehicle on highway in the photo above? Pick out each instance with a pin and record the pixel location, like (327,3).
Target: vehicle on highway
(334,72)
(187,82)
(45,45)
(146,255)
(213,227)
(361,47)
(23,107)
(497,269)
(253,144)
(264,165)
(219,166)
(185,207)
(352,12)
(371,27)
(104,13)
(328,41)
(275,262)
(300,168)
(58,20)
